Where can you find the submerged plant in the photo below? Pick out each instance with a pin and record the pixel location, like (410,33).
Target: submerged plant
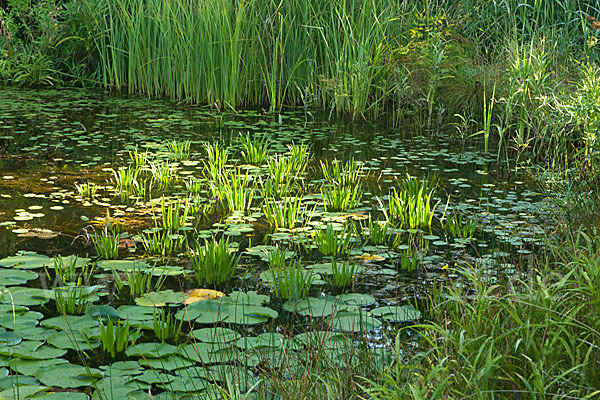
(254,149)
(213,263)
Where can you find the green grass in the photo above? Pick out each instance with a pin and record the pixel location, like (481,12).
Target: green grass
(213,263)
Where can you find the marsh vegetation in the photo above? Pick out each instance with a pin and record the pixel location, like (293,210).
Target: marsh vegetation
(342,199)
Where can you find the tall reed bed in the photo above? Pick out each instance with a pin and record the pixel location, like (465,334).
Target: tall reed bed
(266,52)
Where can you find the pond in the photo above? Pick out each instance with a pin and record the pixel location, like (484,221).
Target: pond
(146,245)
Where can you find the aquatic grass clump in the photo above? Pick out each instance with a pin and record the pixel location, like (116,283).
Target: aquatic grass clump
(333,242)
(286,213)
(343,274)
(139,281)
(125,178)
(139,159)
(291,281)
(173,214)
(106,243)
(213,263)
(163,173)
(341,198)
(299,155)
(254,149)
(194,186)
(412,203)
(460,227)
(71,272)
(282,177)
(72,299)
(162,242)
(536,337)
(166,327)
(217,157)
(117,336)
(87,189)
(179,151)
(235,190)
(377,232)
(342,174)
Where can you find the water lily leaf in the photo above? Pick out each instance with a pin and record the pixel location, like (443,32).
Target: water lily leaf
(39,233)
(26,296)
(68,376)
(102,311)
(9,382)
(151,377)
(215,335)
(64,396)
(353,322)
(358,299)
(31,367)
(160,299)
(168,364)
(195,295)
(185,384)
(316,306)
(26,260)
(272,340)
(397,313)
(204,312)
(72,340)
(152,350)
(71,322)
(123,265)
(244,314)
(22,392)
(137,314)
(32,350)
(8,338)
(166,271)
(250,297)
(15,276)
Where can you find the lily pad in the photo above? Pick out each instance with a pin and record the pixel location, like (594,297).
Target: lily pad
(26,260)
(68,376)
(160,299)
(397,313)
